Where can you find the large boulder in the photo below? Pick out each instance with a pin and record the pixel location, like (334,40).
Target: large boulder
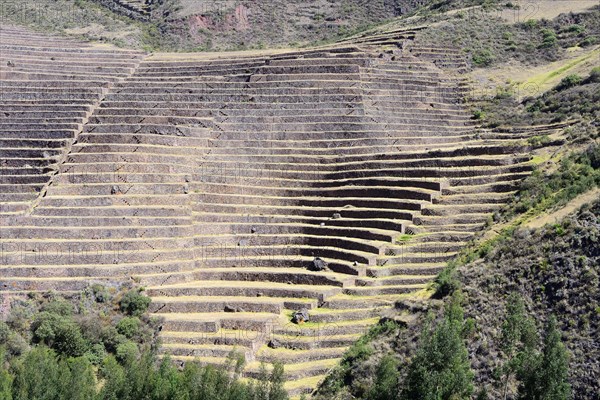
(317,265)
(300,317)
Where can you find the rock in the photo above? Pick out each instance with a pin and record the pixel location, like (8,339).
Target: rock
(317,265)
(322,223)
(337,216)
(229,308)
(114,190)
(259,294)
(10,63)
(274,344)
(253,229)
(300,317)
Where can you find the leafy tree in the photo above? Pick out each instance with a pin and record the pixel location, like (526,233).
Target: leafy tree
(58,306)
(5,379)
(60,333)
(262,389)
(440,369)
(544,376)
(134,303)
(518,339)
(276,380)
(386,380)
(5,385)
(113,376)
(129,326)
(127,352)
(36,376)
(77,380)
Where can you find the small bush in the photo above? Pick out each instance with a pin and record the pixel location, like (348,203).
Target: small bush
(96,354)
(478,114)
(134,303)
(129,327)
(548,38)
(100,293)
(446,282)
(127,352)
(589,41)
(569,81)
(539,141)
(482,58)
(576,28)
(58,306)
(16,345)
(112,338)
(531,23)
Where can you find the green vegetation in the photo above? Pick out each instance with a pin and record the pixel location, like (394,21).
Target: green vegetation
(552,271)
(575,98)
(359,352)
(100,345)
(540,374)
(441,368)
(576,174)
(43,375)
(489,40)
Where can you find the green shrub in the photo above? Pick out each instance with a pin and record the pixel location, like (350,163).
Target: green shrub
(59,333)
(100,293)
(134,303)
(4,333)
(441,367)
(446,282)
(548,38)
(127,352)
(58,306)
(576,28)
(589,41)
(545,374)
(539,141)
(478,114)
(129,326)
(96,353)
(16,345)
(569,81)
(482,58)
(112,338)
(531,23)
(386,380)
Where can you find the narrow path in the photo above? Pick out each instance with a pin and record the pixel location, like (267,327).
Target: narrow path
(570,207)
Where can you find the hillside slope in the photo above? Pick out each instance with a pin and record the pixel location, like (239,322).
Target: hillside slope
(554,270)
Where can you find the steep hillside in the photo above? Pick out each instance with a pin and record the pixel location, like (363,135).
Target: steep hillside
(277,203)
(551,71)
(182,25)
(554,270)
